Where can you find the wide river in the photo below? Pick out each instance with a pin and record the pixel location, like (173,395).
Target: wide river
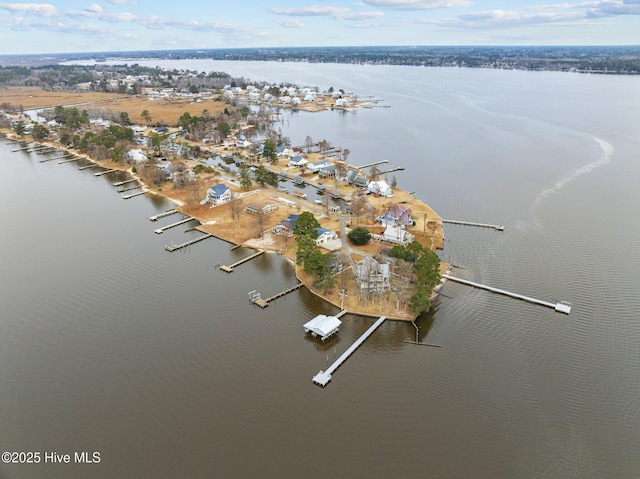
(158,361)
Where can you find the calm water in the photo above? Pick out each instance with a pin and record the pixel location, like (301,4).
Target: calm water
(159,362)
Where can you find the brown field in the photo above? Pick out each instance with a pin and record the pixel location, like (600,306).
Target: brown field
(167,111)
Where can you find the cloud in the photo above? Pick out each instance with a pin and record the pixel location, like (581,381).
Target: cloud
(314,11)
(45,10)
(293,23)
(416,4)
(95,8)
(121,2)
(615,8)
(337,13)
(552,14)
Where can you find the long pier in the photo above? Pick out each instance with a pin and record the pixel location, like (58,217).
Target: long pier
(70,159)
(470,223)
(100,173)
(90,165)
(373,164)
(173,225)
(133,195)
(173,247)
(229,269)
(131,188)
(120,183)
(323,377)
(162,215)
(263,303)
(44,160)
(559,306)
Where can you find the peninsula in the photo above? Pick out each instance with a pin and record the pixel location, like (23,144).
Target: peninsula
(251,193)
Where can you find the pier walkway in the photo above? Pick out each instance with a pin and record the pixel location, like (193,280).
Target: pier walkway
(471,223)
(173,225)
(323,377)
(44,160)
(120,183)
(263,303)
(133,195)
(229,269)
(162,215)
(560,306)
(100,173)
(173,247)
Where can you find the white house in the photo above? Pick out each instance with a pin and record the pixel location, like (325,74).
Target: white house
(319,165)
(297,161)
(324,236)
(137,156)
(341,102)
(396,234)
(217,195)
(380,188)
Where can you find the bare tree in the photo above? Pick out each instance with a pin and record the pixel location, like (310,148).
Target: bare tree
(308,143)
(234,207)
(375,173)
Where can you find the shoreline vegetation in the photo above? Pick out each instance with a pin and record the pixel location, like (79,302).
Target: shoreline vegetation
(232,221)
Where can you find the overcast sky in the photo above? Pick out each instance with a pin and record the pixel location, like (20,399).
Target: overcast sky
(121,25)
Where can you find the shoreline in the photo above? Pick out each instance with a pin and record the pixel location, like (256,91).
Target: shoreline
(270,245)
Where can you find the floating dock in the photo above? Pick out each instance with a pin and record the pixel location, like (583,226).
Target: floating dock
(263,303)
(323,377)
(173,225)
(173,247)
(559,306)
(90,165)
(162,215)
(229,269)
(470,223)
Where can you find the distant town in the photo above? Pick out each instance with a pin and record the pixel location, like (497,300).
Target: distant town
(582,59)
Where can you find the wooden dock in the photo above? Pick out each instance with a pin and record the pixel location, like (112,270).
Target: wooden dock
(229,269)
(100,173)
(173,247)
(263,303)
(162,215)
(372,164)
(470,223)
(131,188)
(70,159)
(173,225)
(44,160)
(323,377)
(133,195)
(90,165)
(559,306)
(120,183)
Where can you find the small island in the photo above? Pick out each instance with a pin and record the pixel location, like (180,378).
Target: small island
(363,244)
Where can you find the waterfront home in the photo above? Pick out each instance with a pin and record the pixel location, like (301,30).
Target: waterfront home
(396,215)
(136,155)
(319,165)
(256,208)
(341,102)
(297,161)
(380,188)
(397,234)
(282,151)
(218,195)
(356,178)
(372,276)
